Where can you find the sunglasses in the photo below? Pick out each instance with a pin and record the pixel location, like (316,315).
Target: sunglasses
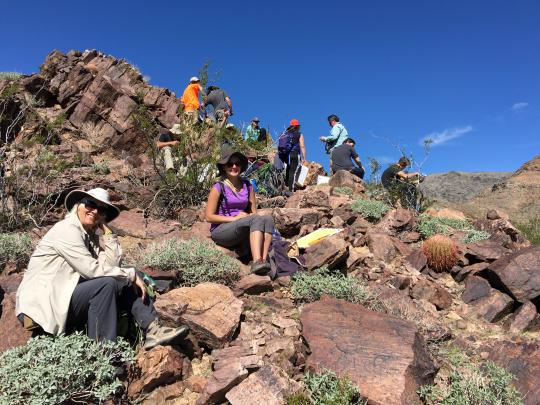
(91,205)
(234,163)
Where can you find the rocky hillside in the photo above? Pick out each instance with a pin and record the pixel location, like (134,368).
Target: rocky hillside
(378,310)
(459,187)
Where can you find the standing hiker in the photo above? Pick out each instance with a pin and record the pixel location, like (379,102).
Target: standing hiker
(72,282)
(221,104)
(232,210)
(343,156)
(338,134)
(291,151)
(191,105)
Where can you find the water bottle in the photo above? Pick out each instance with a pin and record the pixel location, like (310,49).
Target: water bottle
(253,184)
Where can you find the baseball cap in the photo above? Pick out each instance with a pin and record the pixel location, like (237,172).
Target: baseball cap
(256,119)
(194,79)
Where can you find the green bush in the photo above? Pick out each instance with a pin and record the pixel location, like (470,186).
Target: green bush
(475,236)
(101,168)
(344,190)
(370,209)
(9,75)
(15,247)
(306,287)
(57,370)
(195,261)
(429,226)
(531,230)
(471,384)
(327,389)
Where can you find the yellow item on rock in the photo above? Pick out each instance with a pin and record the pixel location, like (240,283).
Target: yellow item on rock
(315,237)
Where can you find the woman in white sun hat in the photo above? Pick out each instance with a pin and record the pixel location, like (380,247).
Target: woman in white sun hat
(71,281)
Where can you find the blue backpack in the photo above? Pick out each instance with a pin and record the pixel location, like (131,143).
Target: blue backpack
(287,141)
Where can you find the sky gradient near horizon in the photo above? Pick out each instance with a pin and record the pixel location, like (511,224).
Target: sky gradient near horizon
(465,74)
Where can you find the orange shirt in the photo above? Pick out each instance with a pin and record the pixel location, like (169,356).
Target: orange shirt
(190,98)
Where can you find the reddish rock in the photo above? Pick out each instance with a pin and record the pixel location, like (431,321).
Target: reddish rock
(288,221)
(246,356)
(343,178)
(220,382)
(396,220)
(361,225)
(384,356)
(410,237)
(252,284)
(161,395)
(331,252)
(12,334)
(210,310)
(402,248)
(200,230)
(269,386)
(485,251)
(448,213)
(519,273)
(10,283)
(494,214)
(475,288)
(346,213)
(309,198)
(382,246)
(492,307)
(521,359)
(432,292)
(470,270)
(158,366)
(522,319)
(417,259)
(133,223)
(196,383)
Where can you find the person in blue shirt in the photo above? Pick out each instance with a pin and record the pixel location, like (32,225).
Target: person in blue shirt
(338,134)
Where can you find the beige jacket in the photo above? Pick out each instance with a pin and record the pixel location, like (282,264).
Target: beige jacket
(65,253)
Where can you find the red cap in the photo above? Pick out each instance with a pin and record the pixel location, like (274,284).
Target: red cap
(294,122)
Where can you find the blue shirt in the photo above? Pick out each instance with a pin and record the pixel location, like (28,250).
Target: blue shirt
(252,134)
(338,134)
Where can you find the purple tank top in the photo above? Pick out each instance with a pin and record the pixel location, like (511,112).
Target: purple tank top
(235,203)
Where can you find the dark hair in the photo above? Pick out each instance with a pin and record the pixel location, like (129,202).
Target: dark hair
(211,88)
(295,128)
(404,161)
(350,140)
(333,117)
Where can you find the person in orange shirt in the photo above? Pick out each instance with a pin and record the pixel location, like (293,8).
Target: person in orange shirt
(191,104)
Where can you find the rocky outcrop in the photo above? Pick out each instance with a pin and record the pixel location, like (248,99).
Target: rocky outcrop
(210,310)
(384,356)
(343,178)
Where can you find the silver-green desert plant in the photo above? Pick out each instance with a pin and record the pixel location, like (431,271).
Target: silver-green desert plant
(15,247)
(370,209)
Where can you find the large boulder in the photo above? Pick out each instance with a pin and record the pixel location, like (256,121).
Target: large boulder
(485,251)
(396,220)
(384,356)
(344,178)
(518,273)
(288,221)
(523,319)
(312,197)
(220,382)
(492,307)
(432,292)
(133,223)
(210,310)
(269,386)
(382,246)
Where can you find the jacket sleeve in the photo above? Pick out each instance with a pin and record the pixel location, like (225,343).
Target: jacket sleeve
(71,247)
(112,254)
(334,133)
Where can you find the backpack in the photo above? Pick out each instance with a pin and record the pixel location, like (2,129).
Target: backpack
(287,141)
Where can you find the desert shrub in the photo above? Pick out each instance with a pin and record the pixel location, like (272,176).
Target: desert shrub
(194,261)
(9,75)
(308,287)
(344,190)
(15,247)
(441,252)
(531,230)
(370,209)
(54,370)
(327,388)
(101,168)
(474,235)
(472,384)
(429,226)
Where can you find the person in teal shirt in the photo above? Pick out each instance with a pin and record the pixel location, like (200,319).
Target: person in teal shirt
(253,131)
(338,134)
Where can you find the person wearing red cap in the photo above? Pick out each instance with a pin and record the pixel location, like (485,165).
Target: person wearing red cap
(292,149)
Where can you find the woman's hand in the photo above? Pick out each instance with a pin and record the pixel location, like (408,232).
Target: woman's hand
(241,215)
(138,283)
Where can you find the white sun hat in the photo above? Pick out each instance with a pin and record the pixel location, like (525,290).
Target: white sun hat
(97,194)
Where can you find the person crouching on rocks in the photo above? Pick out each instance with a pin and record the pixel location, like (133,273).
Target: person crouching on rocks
(232,210)
(71,281)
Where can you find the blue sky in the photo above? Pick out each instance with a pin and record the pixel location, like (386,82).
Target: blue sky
(465,73)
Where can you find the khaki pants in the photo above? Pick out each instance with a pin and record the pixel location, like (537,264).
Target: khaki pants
(221,118)
(166,156)
(189,120)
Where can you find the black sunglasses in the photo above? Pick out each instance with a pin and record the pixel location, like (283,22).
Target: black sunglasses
(236,163)
(91,204)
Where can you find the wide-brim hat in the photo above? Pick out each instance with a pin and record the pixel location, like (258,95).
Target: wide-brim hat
(98,194)
(227,154)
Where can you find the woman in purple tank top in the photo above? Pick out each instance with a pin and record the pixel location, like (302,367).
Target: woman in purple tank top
(232,210)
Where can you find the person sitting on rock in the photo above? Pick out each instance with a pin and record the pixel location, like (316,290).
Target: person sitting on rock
(232,210)
(221,104)
(254,133)
(72,282)
(395,180)
(164,144)
(342,158)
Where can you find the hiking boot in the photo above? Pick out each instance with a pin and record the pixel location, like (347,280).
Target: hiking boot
(157,334)
(260,267)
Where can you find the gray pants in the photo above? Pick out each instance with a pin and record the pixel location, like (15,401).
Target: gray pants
(96,303)
(166,155)
(233,234)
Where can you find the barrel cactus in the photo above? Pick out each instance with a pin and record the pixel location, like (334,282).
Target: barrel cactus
(441,252)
